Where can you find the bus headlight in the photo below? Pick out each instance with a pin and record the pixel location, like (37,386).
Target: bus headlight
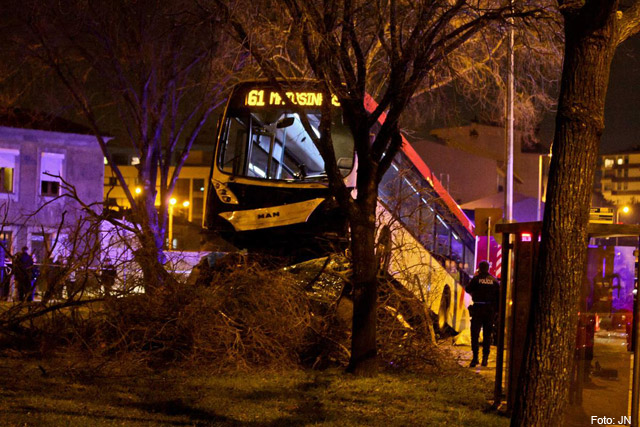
(224,194)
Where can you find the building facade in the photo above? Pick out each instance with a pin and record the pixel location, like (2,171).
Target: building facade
(191,186)
(620,177)
(470,160)
(34,163)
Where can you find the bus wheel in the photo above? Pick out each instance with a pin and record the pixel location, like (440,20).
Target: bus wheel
(445,303)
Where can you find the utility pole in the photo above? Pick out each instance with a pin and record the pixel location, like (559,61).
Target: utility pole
(508,196)
(539,210)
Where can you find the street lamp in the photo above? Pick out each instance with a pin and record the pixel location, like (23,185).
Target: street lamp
(625,210)
(540,167)
(172,203)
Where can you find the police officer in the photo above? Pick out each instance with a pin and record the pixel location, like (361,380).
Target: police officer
(108,275)
(23,272)
(484,290)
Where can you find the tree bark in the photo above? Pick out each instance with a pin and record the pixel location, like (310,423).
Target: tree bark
(150,254)
(364,360)
(551,338)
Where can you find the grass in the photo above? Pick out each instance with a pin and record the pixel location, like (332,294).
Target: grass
(39,392)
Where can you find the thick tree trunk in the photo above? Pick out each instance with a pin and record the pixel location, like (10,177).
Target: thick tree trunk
(150,254)
(364,359)
(149,257)
(544,379)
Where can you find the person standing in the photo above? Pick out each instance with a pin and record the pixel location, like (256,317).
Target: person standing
(484,290)
(22,270)
(108,275)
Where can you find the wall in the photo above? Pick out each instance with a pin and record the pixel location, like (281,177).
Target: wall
(469,177)
(474,145)
(26,212)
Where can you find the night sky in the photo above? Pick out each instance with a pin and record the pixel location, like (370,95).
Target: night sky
(622,112)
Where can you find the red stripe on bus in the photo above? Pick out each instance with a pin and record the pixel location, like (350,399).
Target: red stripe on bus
(370,104)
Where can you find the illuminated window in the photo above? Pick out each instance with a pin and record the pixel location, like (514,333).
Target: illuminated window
(608,163)
(6,240)
(50,173)
(7,170)
(620,161)
(135,161)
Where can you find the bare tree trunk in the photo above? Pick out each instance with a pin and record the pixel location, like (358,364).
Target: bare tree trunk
(150,254)
(551,338)
(364,361)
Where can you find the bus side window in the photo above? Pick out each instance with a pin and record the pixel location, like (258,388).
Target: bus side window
(426,226)
(443,235)
(232,158)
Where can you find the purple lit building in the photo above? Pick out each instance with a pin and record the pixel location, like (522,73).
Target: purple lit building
(37,152)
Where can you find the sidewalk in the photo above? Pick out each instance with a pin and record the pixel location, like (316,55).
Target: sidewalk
(463,355)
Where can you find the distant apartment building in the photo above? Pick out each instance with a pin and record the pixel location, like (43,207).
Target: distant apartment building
(37,152)
(470,162)
(620,177)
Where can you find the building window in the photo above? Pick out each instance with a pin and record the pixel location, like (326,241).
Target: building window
(181,191)
(197,208)
(50,173)
(7,170)
(181,194)
(608,163)
(6,240)
(6,180)
(198,185)
(50,188)
(41,246)
(620,161)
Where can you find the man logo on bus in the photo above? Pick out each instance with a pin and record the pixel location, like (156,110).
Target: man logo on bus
(268,215)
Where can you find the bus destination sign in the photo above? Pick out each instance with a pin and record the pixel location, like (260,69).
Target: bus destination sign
(268,97)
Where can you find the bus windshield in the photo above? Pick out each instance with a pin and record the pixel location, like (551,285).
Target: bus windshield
(272,143)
